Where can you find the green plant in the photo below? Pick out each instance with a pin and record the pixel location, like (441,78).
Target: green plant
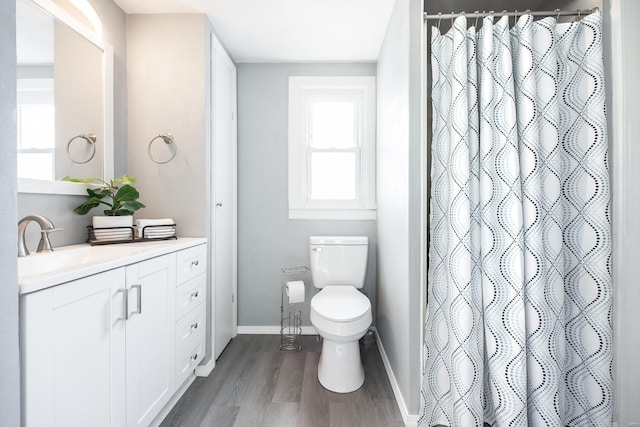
(119,194)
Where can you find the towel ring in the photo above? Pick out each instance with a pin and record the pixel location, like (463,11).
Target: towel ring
(168,139)
(91,140)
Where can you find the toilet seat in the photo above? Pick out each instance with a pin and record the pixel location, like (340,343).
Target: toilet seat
(341,304)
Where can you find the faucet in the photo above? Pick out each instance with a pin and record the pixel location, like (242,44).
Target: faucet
(46,227)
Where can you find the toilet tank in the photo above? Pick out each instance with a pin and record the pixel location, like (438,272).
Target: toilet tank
(338,260)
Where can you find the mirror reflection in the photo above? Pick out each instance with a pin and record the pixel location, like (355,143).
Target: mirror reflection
(60,98)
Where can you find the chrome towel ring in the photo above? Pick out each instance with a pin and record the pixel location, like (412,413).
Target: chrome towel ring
(169,140)
(91,140)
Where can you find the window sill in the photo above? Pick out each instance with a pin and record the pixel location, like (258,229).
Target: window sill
(333,214)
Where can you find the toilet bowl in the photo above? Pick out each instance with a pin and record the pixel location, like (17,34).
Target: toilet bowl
(341,315)
(340,312)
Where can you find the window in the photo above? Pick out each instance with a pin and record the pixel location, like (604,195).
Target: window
(36,144)
(332,148)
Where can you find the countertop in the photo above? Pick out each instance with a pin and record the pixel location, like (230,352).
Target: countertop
(85,260)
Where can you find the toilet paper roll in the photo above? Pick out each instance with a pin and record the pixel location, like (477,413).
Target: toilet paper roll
(295,291)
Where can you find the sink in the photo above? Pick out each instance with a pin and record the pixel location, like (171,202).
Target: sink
(66,263)
(47,262)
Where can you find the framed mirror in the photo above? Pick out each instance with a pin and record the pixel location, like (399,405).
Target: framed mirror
(65,100)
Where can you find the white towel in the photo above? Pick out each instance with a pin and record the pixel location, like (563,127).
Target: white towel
(155,231)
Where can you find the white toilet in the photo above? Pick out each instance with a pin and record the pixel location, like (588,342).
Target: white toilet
(340,313)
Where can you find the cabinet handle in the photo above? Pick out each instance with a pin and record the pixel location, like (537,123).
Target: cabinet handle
(194,326)
(194,294)
(138,299)
(194,263)
(125,303)
(194,357)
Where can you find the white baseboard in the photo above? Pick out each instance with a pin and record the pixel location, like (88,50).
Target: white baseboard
(410,420)
(271,330)
(206,369)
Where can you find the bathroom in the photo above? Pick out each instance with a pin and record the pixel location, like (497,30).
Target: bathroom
(267,240)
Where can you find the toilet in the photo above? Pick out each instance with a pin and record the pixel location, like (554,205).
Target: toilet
(340,312)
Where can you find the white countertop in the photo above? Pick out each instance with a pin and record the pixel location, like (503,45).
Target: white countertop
(67,263)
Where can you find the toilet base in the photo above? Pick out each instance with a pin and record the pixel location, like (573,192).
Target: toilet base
(340,369)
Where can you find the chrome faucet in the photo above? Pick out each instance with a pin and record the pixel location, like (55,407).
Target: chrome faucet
(46,227)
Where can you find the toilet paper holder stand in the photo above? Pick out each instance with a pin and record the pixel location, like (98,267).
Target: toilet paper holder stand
(290,316)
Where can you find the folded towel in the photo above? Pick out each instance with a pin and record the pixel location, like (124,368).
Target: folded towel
(142,223)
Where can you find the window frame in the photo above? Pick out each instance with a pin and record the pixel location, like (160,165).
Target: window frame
(303,91)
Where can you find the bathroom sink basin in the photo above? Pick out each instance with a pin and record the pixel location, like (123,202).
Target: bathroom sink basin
(41,270)
(46,262)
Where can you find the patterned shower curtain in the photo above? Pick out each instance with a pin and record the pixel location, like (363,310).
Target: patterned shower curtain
(519,329)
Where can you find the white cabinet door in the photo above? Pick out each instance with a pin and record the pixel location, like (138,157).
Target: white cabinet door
(224,196)
(73,353)
(150,338)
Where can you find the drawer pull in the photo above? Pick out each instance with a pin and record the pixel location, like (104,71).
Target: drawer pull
(194,263)
(194,326)
(194,357)
(194,294)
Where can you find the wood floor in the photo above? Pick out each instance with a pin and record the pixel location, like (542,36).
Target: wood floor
(255,384)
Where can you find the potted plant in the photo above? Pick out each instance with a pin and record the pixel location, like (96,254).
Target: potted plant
(121,198)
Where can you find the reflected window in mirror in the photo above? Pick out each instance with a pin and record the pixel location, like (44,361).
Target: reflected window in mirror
(36,144)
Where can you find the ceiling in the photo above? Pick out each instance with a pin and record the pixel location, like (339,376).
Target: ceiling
(287,30)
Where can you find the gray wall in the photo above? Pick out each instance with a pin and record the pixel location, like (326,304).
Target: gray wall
(267,239)
(168,88)
(623,60)
(9,353)
(60,208)
(401,199)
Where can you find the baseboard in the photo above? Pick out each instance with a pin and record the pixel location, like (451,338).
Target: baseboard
(410,420)
(271,330)
(206,369)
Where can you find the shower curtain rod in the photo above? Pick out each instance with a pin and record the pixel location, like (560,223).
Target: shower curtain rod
(478,14)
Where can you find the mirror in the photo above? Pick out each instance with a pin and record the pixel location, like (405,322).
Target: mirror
(65,100)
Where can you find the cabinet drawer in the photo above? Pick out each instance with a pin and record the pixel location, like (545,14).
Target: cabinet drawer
(187,360)
(191,262)
(190,294)
(191,328)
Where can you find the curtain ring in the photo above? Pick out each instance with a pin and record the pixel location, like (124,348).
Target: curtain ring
(558,15)
(439,19)
(452,14)
(169,140)
(515,17)
(477,12)
(578,17)
(91,140)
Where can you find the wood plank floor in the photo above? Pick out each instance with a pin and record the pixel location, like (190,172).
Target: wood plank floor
(255,384)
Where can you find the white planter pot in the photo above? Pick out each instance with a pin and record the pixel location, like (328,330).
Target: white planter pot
(102,227)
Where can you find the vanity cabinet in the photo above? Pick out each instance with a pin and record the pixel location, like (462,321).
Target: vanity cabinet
(191,311)
(112,349)
(73,353)
(150,336)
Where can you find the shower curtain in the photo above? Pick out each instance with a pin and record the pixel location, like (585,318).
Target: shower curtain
(518,329)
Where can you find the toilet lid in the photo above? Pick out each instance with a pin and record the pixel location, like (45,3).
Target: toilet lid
(340,303)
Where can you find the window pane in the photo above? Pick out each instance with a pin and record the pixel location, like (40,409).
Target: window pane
(35,165)
(333,176)
(41,136)
(333,125)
